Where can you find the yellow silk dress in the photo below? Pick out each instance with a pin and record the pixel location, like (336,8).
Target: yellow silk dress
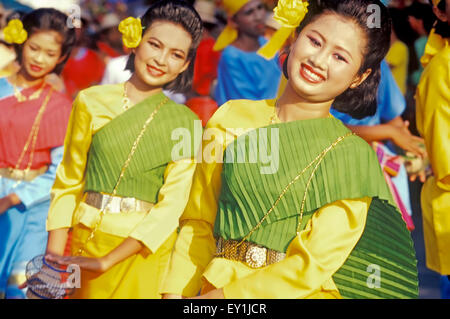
(141,275)
(433,123)
(312,257)
(398,58)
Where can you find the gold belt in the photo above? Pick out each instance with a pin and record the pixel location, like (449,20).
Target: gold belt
(116,204)
(253,255)
(21,174)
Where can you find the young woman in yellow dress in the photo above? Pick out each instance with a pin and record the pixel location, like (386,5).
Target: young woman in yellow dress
(433,123)
(120,186)
(310,215)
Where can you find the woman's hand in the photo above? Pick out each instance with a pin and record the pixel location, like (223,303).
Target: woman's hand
(8,201)
(422,175)
(99,265)
(5,204)
(213,294)
(403,138)
(127,248)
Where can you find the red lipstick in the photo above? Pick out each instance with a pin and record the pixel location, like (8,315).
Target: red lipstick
(311,76)
(35,68)
(155,71)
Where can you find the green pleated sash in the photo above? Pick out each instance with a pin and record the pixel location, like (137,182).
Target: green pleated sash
(349,171)
(144,176)
(383,263)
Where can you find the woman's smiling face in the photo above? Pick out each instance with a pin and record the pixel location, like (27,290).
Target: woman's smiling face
(41,53)
(163,53)
(326,57)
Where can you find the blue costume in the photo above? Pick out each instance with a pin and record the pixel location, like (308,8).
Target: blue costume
(246,75)
(23,233)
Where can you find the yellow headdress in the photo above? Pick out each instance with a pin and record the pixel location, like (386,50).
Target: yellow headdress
(14,32)
(229,34)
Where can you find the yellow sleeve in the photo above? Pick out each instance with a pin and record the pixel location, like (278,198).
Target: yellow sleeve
(311,258)
(397,54)
(163,218)
(68,188)
(195,244)
(433,119)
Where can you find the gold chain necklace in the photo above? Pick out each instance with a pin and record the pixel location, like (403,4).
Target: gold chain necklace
(126,102)
(32,138)
(122,172)
(318,160)
(274,115)
(22,98)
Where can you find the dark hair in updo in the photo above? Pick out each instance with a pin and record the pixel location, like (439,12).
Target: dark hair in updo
(442,28)
(49,19)
(361,101)
(181,13)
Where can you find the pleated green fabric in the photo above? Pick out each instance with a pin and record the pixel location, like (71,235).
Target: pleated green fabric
(383,263)
(349,171)
(173,126)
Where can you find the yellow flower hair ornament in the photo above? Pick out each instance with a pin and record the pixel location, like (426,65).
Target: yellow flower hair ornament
(14,32)
(131,29)
(289,14)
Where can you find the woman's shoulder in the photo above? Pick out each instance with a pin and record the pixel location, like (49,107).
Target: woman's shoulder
(350,144)
(440,65)
(242,114)
(435,78)
(181,110)
(98,91)
(98,96)
(356,143)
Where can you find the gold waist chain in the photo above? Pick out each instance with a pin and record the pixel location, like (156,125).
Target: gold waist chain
(122,172)
(317,161)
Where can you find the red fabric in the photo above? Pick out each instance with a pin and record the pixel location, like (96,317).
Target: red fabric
(17,119)
(205,67)
(391,166)
(67,249)
(83,71)
(203,106)
(107,49)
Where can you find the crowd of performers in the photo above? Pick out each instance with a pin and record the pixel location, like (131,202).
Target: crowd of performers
(268,160)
